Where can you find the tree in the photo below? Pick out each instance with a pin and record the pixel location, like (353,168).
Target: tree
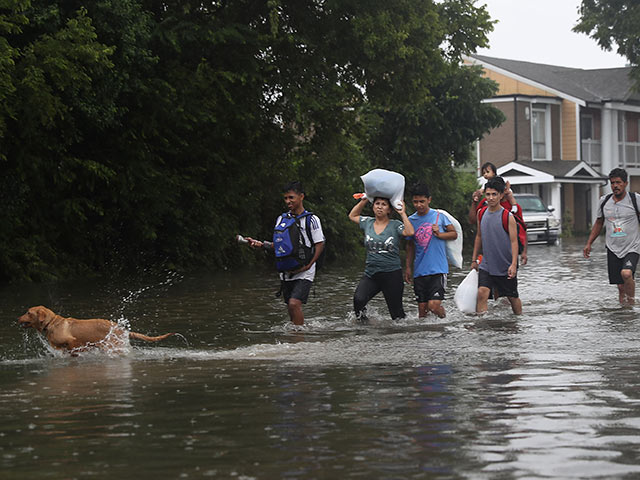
(135,132)
(614,24)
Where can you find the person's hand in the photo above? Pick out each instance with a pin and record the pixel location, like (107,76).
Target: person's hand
(512,272)
(474,265)
(586,252)
(436,229)
(523,259)
(304,268)
(253,243)
(401,209)
(408,275)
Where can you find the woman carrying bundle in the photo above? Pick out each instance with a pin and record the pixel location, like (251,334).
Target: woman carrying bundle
(383,269)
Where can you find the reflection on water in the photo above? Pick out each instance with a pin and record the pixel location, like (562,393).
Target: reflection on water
(553,393)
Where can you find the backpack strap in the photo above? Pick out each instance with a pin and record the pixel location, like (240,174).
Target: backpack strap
(505,219)
(480,213)
(634,200)
(606,199)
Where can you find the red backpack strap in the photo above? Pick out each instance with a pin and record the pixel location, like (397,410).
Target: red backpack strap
(505,220)
(481,212)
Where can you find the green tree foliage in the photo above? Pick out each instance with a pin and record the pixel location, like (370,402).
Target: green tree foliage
(134,132)
(614,24)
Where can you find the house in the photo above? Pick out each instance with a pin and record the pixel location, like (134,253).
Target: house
(565,129)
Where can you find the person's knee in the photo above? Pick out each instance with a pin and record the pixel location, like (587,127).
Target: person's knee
(294,304)
(626,274)
(483,293)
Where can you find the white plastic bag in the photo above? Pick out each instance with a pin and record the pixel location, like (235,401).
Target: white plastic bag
(466,295)
(454,247)
(386,184)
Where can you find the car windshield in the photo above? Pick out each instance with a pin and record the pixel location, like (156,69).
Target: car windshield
(531,204)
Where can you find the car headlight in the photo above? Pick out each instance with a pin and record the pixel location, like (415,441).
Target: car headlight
(554,223)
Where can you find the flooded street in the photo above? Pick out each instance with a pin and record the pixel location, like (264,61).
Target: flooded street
(554,393)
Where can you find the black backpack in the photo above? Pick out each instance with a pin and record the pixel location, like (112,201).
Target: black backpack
(633,200)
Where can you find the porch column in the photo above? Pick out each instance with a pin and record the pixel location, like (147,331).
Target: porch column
(556,199)
(609,140)
(594,198)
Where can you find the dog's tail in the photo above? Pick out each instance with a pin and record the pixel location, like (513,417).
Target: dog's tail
(146,338)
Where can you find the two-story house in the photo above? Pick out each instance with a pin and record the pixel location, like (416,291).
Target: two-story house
(565,129)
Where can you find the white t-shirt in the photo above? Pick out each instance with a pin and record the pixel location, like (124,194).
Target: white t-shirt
(311,228)
(622,229)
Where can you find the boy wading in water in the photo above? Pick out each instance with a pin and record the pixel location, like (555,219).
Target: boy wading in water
(499,267)
(618,212)
(427,253)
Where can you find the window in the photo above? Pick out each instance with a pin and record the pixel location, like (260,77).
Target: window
(586,127)
(540,133)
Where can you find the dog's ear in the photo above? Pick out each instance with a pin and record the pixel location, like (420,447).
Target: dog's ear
(41,314)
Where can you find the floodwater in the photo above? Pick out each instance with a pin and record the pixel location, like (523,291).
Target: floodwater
(554,393)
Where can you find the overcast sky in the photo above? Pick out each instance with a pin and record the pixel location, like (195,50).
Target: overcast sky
(540,31)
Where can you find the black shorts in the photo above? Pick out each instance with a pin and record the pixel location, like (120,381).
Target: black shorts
(506,287)
(616,265)
(298,289)
(430,287)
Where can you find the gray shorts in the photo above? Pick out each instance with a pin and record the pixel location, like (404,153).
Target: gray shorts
(298,289)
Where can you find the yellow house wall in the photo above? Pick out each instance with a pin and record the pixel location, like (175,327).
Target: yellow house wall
(509,86)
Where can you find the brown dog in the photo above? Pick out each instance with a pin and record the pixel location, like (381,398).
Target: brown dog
(74,335)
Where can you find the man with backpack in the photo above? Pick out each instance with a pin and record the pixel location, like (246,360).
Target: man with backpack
(298,242)
(618,211)
(499,266)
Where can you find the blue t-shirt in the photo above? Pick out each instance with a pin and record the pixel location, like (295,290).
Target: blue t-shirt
(383,250)
(431,252)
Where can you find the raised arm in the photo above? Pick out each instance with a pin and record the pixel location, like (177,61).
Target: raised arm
(356,211)
(408,227)
(475,200)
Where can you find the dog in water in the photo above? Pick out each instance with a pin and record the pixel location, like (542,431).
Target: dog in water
(74,335)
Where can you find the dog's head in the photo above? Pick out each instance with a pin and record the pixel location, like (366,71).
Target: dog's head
(36,317)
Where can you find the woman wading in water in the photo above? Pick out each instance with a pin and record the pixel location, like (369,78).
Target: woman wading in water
(383,269)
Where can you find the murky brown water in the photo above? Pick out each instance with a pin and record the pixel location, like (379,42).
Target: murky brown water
(552,394)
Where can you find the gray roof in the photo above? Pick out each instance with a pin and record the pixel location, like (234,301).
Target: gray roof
(601,85)
(557,168)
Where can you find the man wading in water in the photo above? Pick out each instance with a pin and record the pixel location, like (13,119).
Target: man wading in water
(296,284)
(619,212)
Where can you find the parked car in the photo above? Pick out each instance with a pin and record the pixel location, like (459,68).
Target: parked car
(542,225)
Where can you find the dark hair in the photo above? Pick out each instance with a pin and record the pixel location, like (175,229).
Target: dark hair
(620,173)
(420,189)
(497,183)
(488,165)
(293,187)
(382,198)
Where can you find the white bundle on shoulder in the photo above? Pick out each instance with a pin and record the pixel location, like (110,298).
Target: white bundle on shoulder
(384,183)
(454,247)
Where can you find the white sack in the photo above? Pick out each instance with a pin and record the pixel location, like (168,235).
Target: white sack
(467,293)
(386,184)
(454,247)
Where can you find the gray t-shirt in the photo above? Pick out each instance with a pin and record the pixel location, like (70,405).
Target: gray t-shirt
(383,250)
(621,222)
(496,245)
